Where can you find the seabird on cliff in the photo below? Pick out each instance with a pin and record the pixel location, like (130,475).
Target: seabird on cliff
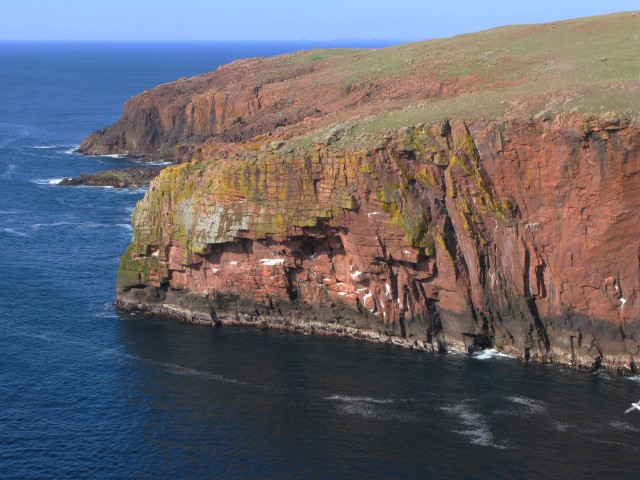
(634,406)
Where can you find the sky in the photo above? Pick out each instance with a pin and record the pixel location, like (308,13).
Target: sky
(279,20)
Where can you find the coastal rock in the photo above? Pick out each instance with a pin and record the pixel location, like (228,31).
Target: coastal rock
(437,210)
(138,177)
(524,239)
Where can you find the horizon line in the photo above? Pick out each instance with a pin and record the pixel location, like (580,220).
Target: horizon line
(300,40)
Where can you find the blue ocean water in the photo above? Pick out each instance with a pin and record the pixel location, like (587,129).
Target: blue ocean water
(87,392)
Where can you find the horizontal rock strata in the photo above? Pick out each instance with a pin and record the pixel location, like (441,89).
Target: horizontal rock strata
(520,235)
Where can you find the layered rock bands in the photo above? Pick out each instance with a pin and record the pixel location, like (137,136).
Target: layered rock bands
(520,235)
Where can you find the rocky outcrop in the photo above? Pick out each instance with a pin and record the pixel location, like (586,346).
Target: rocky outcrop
(456,194)
(138,177)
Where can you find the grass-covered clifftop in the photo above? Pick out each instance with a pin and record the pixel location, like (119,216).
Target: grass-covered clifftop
(587,65)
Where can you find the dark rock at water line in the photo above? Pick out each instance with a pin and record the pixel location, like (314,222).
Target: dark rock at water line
(137,177)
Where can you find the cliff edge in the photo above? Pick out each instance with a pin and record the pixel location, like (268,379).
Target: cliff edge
(473,192)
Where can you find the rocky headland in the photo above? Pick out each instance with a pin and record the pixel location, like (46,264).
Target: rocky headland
(472,192)
(137,177)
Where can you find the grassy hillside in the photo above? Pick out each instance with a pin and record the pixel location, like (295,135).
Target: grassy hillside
(586,65)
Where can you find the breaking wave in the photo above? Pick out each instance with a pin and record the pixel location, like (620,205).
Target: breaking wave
(48,181)
(489,354)
(159,163)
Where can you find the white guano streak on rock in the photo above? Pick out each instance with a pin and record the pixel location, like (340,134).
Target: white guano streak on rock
(271,262)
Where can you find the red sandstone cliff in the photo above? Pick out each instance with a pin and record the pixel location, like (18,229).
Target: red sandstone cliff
(520,234)
(403,195)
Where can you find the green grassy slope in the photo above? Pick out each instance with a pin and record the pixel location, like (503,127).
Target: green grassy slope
(585,65)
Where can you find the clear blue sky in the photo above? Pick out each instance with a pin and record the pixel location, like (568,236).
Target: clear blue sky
(279,19)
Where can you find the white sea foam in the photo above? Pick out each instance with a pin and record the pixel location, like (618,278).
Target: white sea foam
(489,354)
(561,426)
(106,314)
(40,336)
(159,163)
(476,426)
(170,367)
(132,191)
(369,407)
(109,188)
(532,406)
(361,409)
(352,399)
(74,223)
(119,354)
(46,147)
(48,181)
(112,189)
(113,155)
(96,225)
(11,167)
(617,445)
(13,231)
(178,370)
(73,150)
(624,426)
(37,226)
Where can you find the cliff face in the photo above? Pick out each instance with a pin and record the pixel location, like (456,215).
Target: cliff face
(518,235)
(414,195)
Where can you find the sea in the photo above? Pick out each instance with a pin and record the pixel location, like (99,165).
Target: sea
(90,392)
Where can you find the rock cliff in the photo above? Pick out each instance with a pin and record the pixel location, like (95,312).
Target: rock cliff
(480,191)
